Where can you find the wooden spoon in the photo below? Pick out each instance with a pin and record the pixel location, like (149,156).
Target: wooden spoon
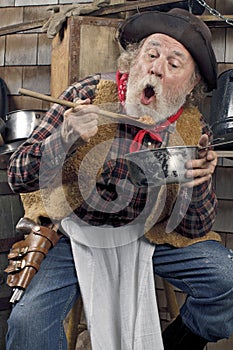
(102,112)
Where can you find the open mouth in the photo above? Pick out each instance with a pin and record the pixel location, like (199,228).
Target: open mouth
(149,91)
(148,95)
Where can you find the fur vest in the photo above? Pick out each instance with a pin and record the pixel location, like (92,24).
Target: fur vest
(59,200)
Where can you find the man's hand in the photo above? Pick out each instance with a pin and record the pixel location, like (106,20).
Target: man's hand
(80,124)
(201,169)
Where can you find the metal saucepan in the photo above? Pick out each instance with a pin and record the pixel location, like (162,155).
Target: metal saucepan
(155,167)
(21,123)
(2,131)
(6,151)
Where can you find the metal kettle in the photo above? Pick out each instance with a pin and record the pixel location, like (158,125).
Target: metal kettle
(221,111)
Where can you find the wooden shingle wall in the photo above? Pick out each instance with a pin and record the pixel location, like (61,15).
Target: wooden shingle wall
(25,57)
(6,3)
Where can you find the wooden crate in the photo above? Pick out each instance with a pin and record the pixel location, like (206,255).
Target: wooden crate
(87,46)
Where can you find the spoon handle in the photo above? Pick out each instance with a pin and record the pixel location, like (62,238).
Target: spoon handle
(215,144)
(66,103)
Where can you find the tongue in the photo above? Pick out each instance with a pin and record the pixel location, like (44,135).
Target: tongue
(145,100)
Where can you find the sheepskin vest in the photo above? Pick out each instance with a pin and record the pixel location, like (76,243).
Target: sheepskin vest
(60,200)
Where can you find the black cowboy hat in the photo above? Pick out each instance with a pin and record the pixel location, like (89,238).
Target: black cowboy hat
(181,25)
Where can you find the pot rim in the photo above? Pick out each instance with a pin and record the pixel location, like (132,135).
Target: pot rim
(163,149)
(22,110)
(9,148)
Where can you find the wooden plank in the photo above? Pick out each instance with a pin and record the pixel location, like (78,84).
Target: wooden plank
(229,45)
(222,67)
(6,3)
(211,18)
(229,241)
(13,78)
(37,78)
(224,188)
(227,154)
(21,49)
(79,42)
(35,2)
(30,13)
(109,10)
(2,51)
(129,6)
(17,102)
(60,62)
(225,7)
(11,16)
(15,28)
(105,53)
(78,54)
(44,50)
(224,222)
(219,43)
(11,210)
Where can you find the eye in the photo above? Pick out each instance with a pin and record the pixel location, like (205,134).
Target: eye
(151,55)
(174,64)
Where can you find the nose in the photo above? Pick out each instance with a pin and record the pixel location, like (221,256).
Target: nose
(157,68)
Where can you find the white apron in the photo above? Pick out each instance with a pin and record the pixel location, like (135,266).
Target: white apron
(117,285)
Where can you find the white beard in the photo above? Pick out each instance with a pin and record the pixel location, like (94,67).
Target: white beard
(161,108)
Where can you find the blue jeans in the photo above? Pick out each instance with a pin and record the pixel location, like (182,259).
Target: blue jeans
(204,271)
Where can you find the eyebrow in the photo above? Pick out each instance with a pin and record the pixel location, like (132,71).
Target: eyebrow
(158,44)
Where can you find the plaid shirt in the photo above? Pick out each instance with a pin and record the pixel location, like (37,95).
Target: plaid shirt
(115,201)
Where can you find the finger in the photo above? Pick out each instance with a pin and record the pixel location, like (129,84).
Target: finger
(82,120)
(82,108)
(79,101)
(198,173)
(90,133)
(197,181)
(81,128)
(203,172)
(195,163)
(203,141)
(212,156)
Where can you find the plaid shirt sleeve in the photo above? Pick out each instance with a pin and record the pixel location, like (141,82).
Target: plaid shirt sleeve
(198,219)
(115,201)
(24,171)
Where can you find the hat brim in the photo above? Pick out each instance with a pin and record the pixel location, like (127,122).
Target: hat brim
(184,27)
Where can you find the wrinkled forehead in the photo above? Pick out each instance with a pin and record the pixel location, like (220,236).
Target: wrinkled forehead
(164,42)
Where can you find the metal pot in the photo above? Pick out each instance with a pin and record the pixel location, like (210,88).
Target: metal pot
(2,131)
(221,113)
(155,167)
(6,151)
(21,123)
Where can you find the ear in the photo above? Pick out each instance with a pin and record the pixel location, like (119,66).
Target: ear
(195,81)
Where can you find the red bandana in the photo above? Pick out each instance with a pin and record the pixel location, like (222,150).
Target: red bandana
(154,132)
(121,80)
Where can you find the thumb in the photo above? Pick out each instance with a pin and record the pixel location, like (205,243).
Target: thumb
(203,141)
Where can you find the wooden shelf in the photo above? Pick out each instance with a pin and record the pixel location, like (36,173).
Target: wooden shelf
(225,154)
(211,20)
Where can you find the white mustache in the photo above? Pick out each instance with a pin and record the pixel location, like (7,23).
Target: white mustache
(152,81)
